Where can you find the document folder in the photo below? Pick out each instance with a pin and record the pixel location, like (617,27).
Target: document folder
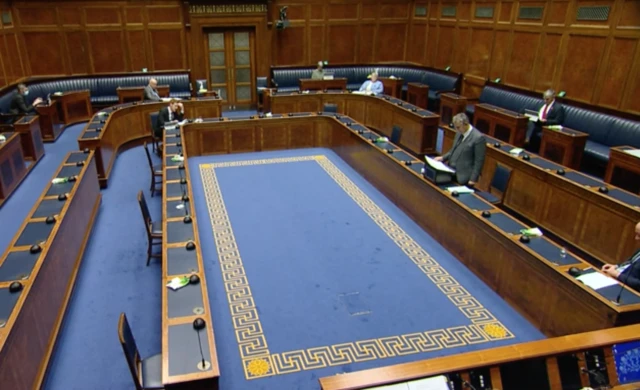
(437,172)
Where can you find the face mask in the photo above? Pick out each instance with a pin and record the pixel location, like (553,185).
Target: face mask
(26,92)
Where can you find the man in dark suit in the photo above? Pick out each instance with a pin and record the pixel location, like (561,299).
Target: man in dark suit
(150,91)
(550,114)
(626,272)
(19,101)
(468,151)
(173,112)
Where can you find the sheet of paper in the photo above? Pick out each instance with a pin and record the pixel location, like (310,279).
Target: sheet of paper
(460,189)
(532,118)
(633,152)
(438,165)
(362,93)
(165,99)
(397,386)
(516,151)
(596,280)
(434,383)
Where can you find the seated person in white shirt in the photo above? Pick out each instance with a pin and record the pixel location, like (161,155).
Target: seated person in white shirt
(372,86)
(627,272)
(173,112)
(551,113)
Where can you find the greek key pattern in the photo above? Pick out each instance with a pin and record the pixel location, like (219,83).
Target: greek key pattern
(259,362)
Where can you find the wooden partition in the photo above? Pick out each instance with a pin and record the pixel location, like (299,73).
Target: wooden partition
(576,350)
(114,128)
(47,276)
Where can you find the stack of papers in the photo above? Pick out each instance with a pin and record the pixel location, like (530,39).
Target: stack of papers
(178,282)
(362,93)
(516,151)
(460,189)
(633,152)
(531,232)
(438,165)
(596,280)
(433,383)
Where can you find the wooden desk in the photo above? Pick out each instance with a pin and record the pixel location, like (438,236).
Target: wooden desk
(73,106)
(12,165)
(127,123)
(134,94)
(500,123)
(29,129)
(451,104)
(418,94)
(493,359)
(50,125)
(563,146)
(623,169)
(180,341)
(599,224)
(34,318)
(392,87)
(419,127)
(339,83)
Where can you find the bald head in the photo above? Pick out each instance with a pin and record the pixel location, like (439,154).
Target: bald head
(153,83)
(548,96)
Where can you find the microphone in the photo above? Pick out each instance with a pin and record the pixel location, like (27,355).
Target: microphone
(199,324)
(468,385)
(597,375)
(625,281)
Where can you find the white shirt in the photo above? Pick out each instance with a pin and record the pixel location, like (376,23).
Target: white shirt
(466,133)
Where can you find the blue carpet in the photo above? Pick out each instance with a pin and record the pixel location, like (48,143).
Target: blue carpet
(321,272)
(113,278)
(14,211)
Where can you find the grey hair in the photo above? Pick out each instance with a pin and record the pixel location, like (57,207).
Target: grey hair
(461,119)
(549,92)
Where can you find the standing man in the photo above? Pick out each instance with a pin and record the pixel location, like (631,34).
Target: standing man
(627,272)
(150,91)
(373,86)
(468,151)
(318,73)
(173,112)
(19,101)
(550,114)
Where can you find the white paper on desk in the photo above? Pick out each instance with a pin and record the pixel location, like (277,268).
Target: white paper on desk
(433,383)
(166,99)
(516,151)
(438,165)
(182,122)
(532,118)
(633,152)
(596,280)
(460,189)
(362,93)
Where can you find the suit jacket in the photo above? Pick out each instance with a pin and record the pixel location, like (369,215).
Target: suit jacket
(19,105)
(151,94)
(631,275)
(555,116)
(467,156)
(163,117)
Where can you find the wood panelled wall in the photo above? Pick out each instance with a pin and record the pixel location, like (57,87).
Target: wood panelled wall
(593,61)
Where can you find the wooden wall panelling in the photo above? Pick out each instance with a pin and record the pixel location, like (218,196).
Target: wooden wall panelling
(522,59)
(76,47)
(617,70)
(416,42)
(4,79)
(480,51)
(316,40)
(341,43)
(583,56)
(547,61)
(391,40)
(107,50)
(366,47)
(631,100)
(290,46)
(500,55)
(445,46)
(167,49)
(44,50)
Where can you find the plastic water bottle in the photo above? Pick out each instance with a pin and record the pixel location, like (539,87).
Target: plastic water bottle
(563,253)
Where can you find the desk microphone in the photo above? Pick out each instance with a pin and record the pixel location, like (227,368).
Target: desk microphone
(468,385)
(625,281)
(198,325)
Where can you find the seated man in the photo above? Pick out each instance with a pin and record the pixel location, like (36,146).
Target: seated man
(318,73)
(19,102)
(627,272)
(173,112)
(372,86)
(468,151)
(150,91)
(551,113)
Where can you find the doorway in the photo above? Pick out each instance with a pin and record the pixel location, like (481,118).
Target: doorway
(230,61)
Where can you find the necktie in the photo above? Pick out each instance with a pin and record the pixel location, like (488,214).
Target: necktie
(545,111)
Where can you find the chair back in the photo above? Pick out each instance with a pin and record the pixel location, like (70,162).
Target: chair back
(261,82)
(500,180)
(130,349)
(330,107)
(396,133)
(144,209)
(153,118)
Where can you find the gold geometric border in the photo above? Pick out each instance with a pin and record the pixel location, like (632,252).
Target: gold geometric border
(259,362)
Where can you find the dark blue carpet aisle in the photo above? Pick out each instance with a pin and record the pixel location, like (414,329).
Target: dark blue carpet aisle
(113,278)
(322,272)
(17,208)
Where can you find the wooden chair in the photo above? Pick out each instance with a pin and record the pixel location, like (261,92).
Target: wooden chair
(146,373)
(154,229)
(156,171)
(498,186)
(153,118)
